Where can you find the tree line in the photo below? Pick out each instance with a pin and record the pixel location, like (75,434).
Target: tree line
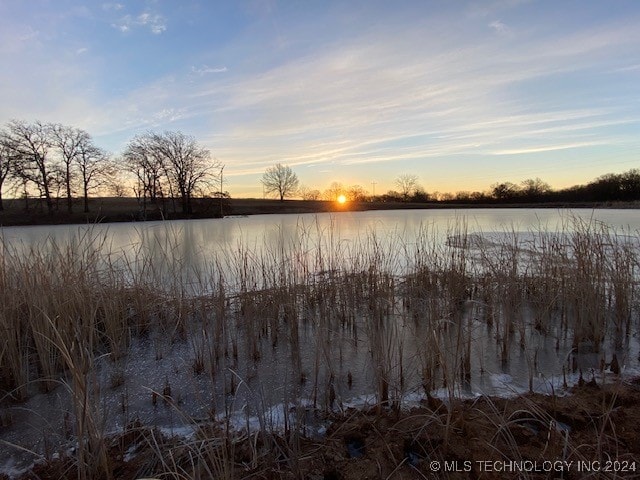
(170,166)
(283,182)
(51,161)
(611,187)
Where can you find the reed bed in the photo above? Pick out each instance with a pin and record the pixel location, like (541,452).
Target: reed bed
(377,315)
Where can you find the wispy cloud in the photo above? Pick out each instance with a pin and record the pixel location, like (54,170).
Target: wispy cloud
(112,6)
(500,28)
(629,68)
(204,69)
(28,34)
(156,23)
(547,148)
(369,101)
(166,115)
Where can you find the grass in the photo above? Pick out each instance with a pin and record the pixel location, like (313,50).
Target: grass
(417,315)
(399,446)
(127,209)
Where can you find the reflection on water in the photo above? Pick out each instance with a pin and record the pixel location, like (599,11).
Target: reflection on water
(196,244)
(326,339)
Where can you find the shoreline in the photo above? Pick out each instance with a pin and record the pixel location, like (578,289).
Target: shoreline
(119,210)
(590,430)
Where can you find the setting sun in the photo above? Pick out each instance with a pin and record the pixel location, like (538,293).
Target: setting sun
(342,199)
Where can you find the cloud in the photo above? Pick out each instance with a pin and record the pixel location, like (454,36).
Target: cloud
(112,6)
(28,34)
(376,98)
(166,115)
(204,69)
(629,68)
(124,24)
(82,50)
(500,28)
(547,148)
(156,23)
(490,7)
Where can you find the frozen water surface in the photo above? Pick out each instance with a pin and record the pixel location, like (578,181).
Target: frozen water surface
(158,383)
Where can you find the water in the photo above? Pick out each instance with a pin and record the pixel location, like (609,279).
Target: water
(197,241)
(252,391)
(196,246)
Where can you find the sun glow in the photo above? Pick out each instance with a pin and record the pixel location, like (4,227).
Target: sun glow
(342,199)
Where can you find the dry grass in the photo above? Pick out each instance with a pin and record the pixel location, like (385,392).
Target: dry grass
(63,306)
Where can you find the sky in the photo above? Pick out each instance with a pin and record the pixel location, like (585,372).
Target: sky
(462,94)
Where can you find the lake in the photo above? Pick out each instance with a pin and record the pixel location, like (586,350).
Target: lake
(197,245)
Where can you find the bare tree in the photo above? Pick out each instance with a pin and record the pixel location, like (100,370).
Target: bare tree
(334,191)
(281,180)
(140,159)
(406,184)
(115,185)
(94,166)
(309,194)
(534,188)
(67,140)
(185,164)
(446,197)
(504,191)
(30,144)
(420,194)
(170,160)
(7,162)
(355,193)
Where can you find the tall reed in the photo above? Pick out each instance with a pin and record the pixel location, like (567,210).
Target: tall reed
(421,311)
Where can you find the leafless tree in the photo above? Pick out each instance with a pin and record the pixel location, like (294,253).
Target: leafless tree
(172,161)
(355,193)
(185,164)
(446,197)
(534,188)
(94,166)
(309,194)
(7,162)
(115,185)
(140,159)
(281,180)
(406,184)
(53,159)
(30,145)
(420,194)
(505,191)
(334,191)
(67,141)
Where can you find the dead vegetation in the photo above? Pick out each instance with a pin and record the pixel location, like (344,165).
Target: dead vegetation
(420,311)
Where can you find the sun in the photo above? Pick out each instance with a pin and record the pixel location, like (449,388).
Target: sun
(342,199)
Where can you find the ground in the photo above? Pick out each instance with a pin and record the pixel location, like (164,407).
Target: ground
(592,432)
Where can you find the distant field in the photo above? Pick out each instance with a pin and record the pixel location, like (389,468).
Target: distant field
(112,209)
(127,209)
(253,206)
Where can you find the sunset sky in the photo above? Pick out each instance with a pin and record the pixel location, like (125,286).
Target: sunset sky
(460,93)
